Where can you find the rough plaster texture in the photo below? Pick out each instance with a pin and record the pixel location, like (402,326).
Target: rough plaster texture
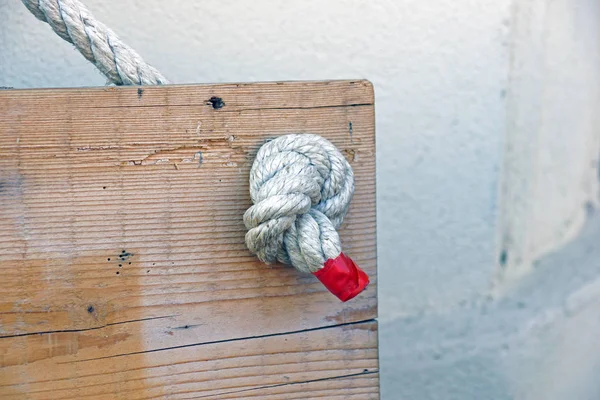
(551,158)
(462,107)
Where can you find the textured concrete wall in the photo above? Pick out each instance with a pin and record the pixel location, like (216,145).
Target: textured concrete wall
(551,158)
(461,112)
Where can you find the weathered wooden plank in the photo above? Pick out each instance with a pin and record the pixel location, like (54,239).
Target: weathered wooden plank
(122,246)
(339,360)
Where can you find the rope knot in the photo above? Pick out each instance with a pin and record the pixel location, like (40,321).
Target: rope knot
(301,187)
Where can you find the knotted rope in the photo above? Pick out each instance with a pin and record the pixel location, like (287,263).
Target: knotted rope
(72,21)
(301,185)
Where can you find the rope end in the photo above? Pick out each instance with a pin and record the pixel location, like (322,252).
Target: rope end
(342,277)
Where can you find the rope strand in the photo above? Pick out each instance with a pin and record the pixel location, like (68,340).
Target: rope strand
(73,22)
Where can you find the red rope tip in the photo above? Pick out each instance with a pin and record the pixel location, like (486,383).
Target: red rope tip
(342,277)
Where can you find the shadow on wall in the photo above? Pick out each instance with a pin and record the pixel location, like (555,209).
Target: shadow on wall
(538,342)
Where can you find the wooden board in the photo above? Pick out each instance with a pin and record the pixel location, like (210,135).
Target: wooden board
(124,269)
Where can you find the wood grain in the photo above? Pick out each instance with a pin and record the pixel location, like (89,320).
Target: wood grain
(124,269)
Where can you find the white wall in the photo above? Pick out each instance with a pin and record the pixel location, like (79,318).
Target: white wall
(460,111)
(550,176)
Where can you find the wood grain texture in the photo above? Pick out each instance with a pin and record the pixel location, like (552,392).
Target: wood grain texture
(124,269)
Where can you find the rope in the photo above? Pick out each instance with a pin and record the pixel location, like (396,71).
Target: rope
(72,21)
(301,187)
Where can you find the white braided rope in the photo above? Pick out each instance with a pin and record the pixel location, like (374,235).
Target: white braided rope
(72,21)
(301,187)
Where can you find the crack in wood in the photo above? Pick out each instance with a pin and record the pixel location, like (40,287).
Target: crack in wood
(234,110)
(329,378)
(227,340)
(301,108)
(177,154)
(85,329)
